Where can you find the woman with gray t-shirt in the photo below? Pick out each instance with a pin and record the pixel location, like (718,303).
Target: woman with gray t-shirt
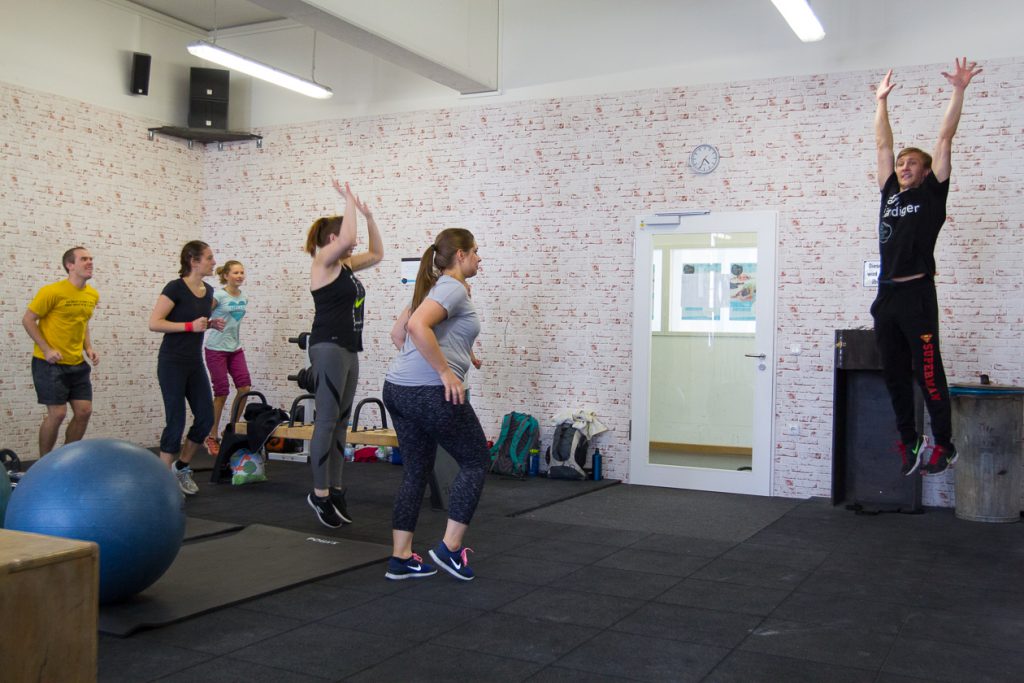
(424,393)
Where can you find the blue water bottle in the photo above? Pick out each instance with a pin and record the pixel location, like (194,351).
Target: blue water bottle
(534,468)
(597,464)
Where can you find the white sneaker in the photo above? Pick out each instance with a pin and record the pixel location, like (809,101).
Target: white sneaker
(184,475)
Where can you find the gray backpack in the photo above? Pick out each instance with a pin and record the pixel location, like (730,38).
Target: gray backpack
(568,453)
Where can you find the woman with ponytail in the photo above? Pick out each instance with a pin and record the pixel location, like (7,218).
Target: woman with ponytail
(182,314)
(334,344)
(224,353)
(424,393)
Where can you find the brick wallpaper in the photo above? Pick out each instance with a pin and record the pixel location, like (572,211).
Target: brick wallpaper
(550,188)
(75,174)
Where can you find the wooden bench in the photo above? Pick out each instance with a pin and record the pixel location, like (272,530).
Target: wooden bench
(304,431)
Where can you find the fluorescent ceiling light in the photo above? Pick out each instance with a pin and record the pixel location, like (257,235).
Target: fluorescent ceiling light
(800,17)
(233,60)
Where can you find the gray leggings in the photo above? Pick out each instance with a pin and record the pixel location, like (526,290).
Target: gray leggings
(336,373)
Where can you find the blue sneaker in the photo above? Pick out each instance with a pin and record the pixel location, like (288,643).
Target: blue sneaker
(455,563)
(412,568)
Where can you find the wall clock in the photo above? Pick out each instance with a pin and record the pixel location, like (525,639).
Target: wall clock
(704,159)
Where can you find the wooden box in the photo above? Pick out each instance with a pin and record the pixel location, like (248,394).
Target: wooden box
(49,603)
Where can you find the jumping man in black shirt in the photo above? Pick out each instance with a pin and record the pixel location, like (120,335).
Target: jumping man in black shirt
(914,188)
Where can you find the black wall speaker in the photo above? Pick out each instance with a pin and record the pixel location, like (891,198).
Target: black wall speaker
(140,73)
(208,98)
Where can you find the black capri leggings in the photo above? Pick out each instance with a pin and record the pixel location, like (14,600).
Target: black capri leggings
(181,382)
(423,420)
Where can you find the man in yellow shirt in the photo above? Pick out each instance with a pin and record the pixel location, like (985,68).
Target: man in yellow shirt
(57,319)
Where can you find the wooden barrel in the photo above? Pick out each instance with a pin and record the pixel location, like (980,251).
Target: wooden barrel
(988,426)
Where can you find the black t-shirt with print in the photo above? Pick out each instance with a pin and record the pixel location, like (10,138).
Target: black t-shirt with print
(339,309)
(908,226)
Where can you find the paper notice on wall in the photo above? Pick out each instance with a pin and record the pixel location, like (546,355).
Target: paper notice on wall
(871,271)
(408,270)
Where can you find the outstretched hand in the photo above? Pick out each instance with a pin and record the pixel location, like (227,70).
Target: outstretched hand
(344,190)
(363,207)
(963,74)
(885,86)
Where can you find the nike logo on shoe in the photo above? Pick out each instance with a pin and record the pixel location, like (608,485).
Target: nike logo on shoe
(456,564)
(414,567)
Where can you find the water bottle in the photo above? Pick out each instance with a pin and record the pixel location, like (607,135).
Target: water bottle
(597,464)
(350,452)
(534,468)
(382,454)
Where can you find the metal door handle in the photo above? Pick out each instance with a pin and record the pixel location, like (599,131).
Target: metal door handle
(755,355)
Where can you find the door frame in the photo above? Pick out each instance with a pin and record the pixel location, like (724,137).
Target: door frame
(641,471)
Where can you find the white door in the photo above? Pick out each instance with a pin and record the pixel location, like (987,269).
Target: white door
(703,351)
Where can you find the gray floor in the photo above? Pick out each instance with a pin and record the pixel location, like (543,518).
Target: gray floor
(622,583)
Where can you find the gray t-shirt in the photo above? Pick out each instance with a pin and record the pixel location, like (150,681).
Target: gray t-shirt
(455,334)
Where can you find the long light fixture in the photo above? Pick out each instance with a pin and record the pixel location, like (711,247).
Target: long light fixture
(233,60)
(800,17)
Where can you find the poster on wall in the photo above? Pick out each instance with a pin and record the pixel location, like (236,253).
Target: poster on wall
(742,291)
(701,297)
(408,270)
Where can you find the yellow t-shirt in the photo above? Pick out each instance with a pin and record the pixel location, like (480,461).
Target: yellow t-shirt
(64,312)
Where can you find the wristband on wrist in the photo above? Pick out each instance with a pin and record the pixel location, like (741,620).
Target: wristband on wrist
(188,327)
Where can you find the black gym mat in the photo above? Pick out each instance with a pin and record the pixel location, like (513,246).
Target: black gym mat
(196,528)
(225,570)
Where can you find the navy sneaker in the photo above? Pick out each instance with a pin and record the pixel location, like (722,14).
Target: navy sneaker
(942,458)
(912,455)
(412,568)
(455,563)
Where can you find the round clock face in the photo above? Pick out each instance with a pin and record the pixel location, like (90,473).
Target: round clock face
(704,159)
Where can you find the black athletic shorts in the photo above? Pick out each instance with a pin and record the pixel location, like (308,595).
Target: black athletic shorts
(57,384)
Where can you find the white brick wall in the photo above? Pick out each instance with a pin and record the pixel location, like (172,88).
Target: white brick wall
(551,188)
(75,174)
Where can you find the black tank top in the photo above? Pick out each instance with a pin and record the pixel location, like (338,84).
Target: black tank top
(338,312)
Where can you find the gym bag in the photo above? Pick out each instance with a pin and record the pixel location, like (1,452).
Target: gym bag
(510,455)
(568,453)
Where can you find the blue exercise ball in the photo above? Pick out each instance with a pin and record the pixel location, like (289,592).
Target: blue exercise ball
(113,493)
(5,493)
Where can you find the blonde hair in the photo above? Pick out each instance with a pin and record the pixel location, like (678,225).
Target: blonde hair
(925,156)
(223,271)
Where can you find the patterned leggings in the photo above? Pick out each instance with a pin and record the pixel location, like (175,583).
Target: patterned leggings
(423,420)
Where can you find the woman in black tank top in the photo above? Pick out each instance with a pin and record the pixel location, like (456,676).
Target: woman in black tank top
(334,342)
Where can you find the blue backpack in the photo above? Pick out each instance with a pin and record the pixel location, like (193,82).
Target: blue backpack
(510,455)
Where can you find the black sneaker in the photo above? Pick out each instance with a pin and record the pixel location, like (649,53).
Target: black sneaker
(325,511)
(338,500)
(942,458)
(912,455)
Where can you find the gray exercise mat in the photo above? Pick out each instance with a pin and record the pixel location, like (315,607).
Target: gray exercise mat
(196,528)
(225,570)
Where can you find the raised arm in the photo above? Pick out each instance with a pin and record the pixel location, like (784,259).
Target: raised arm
(375,249)
(330,253)
(959,79)
(883,131)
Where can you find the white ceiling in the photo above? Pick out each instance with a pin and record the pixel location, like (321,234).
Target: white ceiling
(209,15)
(551,41)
